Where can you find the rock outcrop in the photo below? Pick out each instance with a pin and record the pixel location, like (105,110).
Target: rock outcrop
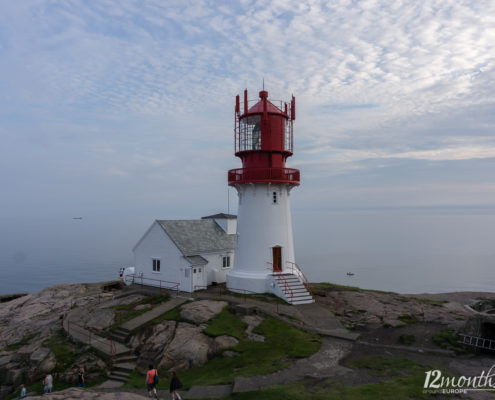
(202,311)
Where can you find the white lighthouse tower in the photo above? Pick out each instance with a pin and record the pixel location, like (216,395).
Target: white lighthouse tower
(264,253)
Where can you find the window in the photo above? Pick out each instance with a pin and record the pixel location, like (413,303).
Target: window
(226,262)
(156,265)
(274,197)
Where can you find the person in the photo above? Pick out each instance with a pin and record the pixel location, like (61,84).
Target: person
(175,384)
(23,392)
(151,381)
(48,382)
(81,382)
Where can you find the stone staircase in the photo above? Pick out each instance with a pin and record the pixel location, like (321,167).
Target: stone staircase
(293,290)
(124,363)
(120,335)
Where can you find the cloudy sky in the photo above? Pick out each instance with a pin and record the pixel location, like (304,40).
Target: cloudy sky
(125,109)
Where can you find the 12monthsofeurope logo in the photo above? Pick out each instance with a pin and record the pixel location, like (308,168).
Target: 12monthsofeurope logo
(436,382)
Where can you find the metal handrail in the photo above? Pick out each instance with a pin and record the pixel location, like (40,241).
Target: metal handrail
(279,274)
(477,341)
(173,285)
(241,175)
(84,330)
(300,273)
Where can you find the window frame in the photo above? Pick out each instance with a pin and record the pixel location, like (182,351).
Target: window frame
(155,265)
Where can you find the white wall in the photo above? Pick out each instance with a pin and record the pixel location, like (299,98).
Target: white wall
(261,225)
(229,225)
(215,271)
(156,244)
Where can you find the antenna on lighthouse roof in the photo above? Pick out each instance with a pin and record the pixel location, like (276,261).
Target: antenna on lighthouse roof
(263,83)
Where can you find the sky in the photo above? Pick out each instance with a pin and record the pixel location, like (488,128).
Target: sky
(126,108)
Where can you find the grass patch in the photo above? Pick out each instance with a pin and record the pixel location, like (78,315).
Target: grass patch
(226,323)
(408,319)
(446,339)
(62,348)
(408,387)
(406,338)
(436,303)
(384,366)
(283,344)
(336,287)
(126,312)
(25,340)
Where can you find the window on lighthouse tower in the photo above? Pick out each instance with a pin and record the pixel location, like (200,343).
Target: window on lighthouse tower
(275,199)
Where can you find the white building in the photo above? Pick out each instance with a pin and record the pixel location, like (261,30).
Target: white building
(185,254)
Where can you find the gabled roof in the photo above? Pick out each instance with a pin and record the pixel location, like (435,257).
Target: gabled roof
(221,216)
(196,236)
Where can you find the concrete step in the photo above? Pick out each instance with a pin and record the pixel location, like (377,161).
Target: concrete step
(298,302)
(114,377)
(118,338)
(124,367)
(126,359)
(122,331)
(119,374)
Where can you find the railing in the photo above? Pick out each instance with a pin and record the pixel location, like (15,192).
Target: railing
(300,273)
(91,337)
(278,274)
(246,175)
(476,341)
(224,291)
(162,284)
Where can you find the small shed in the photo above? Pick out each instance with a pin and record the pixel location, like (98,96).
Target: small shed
(186,254)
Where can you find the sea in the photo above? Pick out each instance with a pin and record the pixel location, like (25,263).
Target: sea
(401,250)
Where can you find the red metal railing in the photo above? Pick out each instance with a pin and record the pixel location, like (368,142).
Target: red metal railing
(159,283)
(298,271)
(247,175)
(91,337)
(278,274)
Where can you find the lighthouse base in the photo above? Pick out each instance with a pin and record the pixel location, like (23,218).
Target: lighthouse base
(247,282)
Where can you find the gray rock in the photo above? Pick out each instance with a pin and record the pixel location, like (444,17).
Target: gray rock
(226,341)
(4,360)
(48,364)
(14,377)
(39,355)
(85,394)
(100,319)
(189,348)
(201,311)
(150,343)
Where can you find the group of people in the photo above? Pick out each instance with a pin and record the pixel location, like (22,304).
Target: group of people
(152,380)
(48,383)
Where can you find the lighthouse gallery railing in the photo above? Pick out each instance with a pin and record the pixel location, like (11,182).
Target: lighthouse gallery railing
(246,175)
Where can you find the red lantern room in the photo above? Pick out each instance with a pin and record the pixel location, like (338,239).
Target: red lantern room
(263,141)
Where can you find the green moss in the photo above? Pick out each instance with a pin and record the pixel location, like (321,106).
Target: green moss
(446,339)
(382,365)
(283,344)
(226,323)
(437,303)
(334,286)
(406,338)
(408,319)
(62,348)
(25,340)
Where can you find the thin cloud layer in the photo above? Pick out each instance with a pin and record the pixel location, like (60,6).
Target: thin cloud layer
(374,80)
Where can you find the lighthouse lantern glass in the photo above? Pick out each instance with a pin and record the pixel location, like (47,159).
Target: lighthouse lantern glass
(250,135)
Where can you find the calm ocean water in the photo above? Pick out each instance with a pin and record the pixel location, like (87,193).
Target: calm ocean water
(404,251)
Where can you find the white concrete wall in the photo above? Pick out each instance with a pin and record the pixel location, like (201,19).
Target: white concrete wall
(156,244)
(261,225)
(229,225)
(215,271)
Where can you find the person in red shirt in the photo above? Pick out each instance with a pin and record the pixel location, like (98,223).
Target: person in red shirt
(151,381)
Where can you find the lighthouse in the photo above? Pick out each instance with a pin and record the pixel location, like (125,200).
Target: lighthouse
(264,251)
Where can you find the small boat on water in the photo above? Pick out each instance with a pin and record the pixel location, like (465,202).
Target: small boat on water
(350,274)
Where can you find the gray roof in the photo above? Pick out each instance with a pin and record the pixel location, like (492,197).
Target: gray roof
(196,260)
(220,216)
(196,236)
